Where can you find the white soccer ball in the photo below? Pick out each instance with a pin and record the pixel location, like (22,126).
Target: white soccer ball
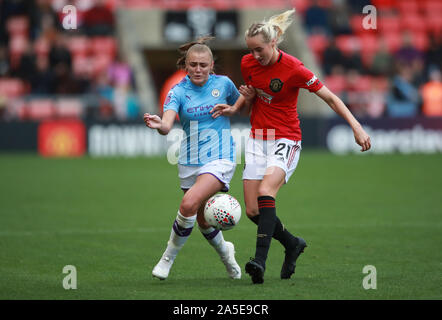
(222,211)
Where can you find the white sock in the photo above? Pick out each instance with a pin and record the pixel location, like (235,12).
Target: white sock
(215,238)
(182,227)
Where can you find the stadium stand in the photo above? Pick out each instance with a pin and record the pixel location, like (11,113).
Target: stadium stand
(57,73)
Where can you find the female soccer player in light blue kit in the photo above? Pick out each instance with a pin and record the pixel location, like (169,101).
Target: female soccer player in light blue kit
(207,155)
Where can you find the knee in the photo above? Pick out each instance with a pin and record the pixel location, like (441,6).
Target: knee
(264,191)
(252,212)
(189,206)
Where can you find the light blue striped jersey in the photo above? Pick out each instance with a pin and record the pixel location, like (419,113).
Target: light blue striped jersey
(206,139)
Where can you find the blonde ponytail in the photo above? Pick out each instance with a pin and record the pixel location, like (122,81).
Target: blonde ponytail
(273,28)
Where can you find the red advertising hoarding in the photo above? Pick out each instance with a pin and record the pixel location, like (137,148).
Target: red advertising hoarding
(62,138)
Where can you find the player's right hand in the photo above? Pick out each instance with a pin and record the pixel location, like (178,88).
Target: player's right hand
(247,91)
(222,110)
(152,121)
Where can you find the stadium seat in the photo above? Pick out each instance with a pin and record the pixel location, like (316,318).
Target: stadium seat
(41,109)
(384,4)
(103,45)
(318,43)
(348,44)
(413,22)
(389,23)
(69,108)
(393,40)
(420,40)
(12,87)
(432,7)
(300,5)
(434,24)
(83,66)
(369,43)
(79,45)
(336,83)
(408,7)
(369,47)
(356,24)
(100,63)
(363,84)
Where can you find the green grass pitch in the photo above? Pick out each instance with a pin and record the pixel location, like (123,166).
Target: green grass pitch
(111,219)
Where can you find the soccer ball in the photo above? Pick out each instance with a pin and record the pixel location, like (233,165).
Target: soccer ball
(222,211)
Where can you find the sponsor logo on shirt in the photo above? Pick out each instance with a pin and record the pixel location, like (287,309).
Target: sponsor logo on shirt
(167,101)
(264,96)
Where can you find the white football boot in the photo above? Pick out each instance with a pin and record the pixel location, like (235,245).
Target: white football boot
(162,269)
(233,269)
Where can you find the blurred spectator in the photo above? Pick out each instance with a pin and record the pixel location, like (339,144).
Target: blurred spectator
(356,6)
(27,67)
(98,20)
(354,61)
(42,80)
(432,94)
(376,97)
(4,61)
(356,96)
(410,55)
(382,63)
(119,73)
(12,8)
(403,99)
(316,19)
(339,17)
(332,56)
(66,82)
(47,23)
(434,54)
(59,53)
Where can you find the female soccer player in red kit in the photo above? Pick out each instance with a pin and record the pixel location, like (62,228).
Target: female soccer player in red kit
(273,79)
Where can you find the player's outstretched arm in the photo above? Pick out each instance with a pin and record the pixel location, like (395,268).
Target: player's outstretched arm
(361,137)
(223,109)
(163,125)
(247,94)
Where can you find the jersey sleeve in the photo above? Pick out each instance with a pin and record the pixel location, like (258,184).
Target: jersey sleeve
(172,101)
(232,92)
(307,79)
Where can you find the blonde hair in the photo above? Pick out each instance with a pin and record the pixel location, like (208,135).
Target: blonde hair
(272,28)
(199,45)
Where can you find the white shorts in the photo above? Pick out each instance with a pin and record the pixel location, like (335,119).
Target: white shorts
(221,169)
(262,154)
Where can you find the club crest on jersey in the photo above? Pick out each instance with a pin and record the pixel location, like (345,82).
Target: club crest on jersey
(215,93)
(276,85)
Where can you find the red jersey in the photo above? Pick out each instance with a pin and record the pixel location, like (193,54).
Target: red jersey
(277,88)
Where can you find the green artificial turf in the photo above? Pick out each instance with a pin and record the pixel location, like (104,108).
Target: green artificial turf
(111,219)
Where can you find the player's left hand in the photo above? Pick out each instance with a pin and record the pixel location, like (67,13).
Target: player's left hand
(362,139)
